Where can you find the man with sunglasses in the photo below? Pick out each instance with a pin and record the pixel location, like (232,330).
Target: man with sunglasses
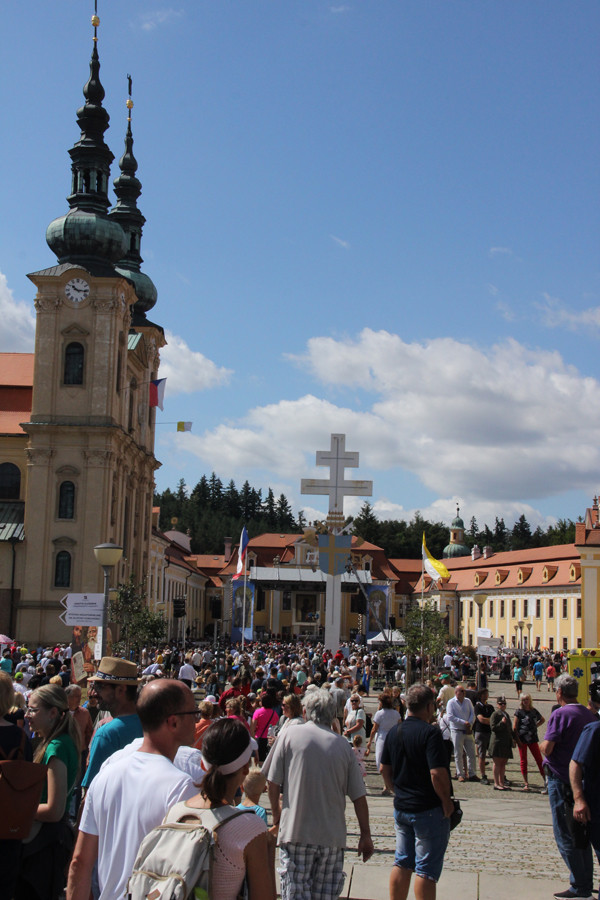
(115,686)
(133,792)
(461,716)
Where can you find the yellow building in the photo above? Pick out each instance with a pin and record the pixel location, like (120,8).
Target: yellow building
(84,444)
(530,599)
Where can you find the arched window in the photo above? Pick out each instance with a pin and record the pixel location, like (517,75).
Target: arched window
(10,481)
(74,354)
(62,569)
(66,500)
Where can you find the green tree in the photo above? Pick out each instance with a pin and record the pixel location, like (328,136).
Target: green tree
(500,542)
(269,512)
(216,491)
(520,538)
(285,516)
(425,630)
(134,625)
(561,533)
(231,501)
(366,524)
(472,534)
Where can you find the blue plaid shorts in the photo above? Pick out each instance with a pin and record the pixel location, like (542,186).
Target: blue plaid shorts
(309,872)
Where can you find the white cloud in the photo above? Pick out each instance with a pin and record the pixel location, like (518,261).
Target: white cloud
(187,370)
(491,426)
(340,242)
(499,251)
(556,315)
(18,322)
(506,311)
(152,20)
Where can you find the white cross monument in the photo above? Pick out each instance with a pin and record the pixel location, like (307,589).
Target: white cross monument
(337,487)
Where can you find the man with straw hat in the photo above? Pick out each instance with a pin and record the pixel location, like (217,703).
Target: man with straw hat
(115,685)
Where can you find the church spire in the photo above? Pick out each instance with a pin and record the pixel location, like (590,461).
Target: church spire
(86,233)
(128,188)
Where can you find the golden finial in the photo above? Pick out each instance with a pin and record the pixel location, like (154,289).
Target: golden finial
(95,20)
(129,102)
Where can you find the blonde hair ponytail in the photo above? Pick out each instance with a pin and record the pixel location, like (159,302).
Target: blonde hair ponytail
(52,696)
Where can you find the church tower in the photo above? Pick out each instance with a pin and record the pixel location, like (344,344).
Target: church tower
(90,453)
(457,545)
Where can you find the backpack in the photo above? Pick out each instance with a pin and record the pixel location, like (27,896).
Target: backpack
(21,784)
(174,860)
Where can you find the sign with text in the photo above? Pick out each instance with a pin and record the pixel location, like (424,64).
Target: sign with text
(82,609)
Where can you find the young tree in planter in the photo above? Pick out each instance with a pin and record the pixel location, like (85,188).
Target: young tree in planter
(134,625)
(425,632)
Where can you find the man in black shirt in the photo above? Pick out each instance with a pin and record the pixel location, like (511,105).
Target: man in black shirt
(413,765)
(482,731)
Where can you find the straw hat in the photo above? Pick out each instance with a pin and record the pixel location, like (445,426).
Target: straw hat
(115,671)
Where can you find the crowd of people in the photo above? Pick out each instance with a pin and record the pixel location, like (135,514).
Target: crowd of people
(187,737)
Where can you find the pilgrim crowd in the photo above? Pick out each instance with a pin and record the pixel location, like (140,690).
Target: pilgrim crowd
(201,736)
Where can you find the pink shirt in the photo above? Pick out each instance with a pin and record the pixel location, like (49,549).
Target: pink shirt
(262,719)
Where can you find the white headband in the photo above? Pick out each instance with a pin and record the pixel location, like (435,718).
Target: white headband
(235,764)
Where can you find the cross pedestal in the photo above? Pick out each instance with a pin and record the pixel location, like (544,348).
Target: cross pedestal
(330,546)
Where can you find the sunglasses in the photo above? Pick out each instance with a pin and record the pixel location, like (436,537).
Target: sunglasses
(193,712)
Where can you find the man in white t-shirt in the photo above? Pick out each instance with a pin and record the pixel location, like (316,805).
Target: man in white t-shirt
(131,795)
(314,769)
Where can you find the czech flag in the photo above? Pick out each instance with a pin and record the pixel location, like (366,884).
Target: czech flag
(157,392)
(241,553)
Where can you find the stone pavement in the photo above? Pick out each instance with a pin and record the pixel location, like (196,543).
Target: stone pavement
(503,849)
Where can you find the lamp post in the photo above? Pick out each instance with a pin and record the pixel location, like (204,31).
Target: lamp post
(479,600)
(521,625)
(529,627)
(516,628)
(108,555)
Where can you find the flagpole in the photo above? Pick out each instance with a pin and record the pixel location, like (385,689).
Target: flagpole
(244,605)
(422,617)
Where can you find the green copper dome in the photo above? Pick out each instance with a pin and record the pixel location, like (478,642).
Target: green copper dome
(457,523)
(453,550)
(82,236)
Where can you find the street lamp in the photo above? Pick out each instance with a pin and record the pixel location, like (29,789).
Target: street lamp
(479,600)
(108,555)
(529,627)
(521,625)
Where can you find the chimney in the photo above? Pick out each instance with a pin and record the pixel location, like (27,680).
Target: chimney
(487,552)
(475,552)
(227,549)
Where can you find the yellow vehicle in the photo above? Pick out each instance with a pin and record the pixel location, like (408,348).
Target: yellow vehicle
(584,665)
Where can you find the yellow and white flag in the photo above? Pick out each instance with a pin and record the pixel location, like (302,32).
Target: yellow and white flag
(434,568)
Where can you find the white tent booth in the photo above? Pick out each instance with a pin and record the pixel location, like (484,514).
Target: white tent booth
(388,636)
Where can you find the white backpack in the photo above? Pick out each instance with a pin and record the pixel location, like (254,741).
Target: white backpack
(174,860)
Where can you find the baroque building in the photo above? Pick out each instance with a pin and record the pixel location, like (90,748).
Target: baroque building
(76,430)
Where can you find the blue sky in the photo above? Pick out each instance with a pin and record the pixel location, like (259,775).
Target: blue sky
(377,217)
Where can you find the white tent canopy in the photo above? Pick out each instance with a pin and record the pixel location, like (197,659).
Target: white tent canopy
(389,636)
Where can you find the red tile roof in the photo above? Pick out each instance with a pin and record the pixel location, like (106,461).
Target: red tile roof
(16,390)
(16,369)
(556,560)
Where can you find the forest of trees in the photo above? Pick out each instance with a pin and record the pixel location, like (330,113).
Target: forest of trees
(212,511)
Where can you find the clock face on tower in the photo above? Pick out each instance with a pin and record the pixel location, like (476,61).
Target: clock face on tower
(77,290)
